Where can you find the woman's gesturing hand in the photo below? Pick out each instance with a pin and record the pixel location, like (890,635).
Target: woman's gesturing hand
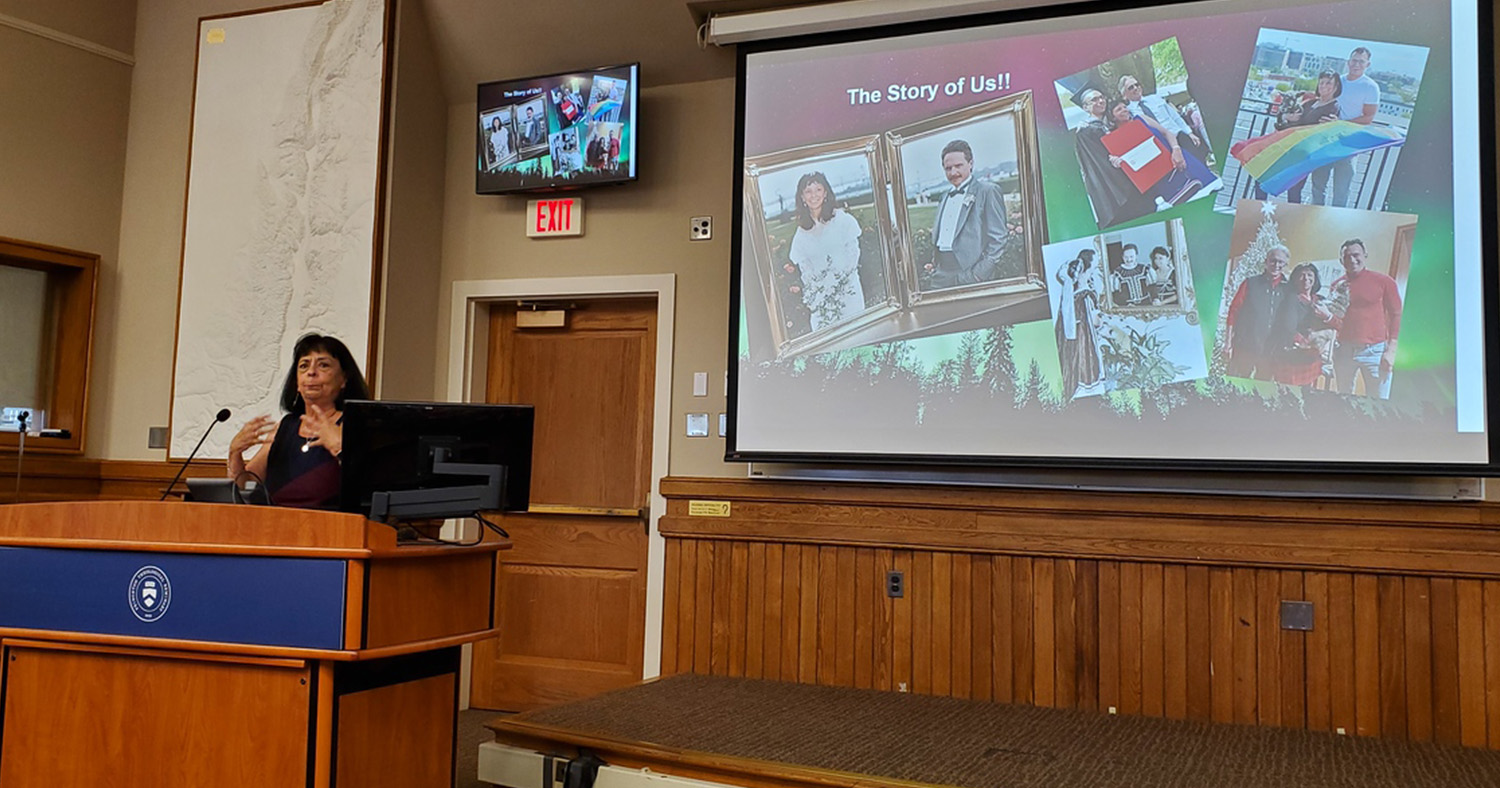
(322,427)
(256,432)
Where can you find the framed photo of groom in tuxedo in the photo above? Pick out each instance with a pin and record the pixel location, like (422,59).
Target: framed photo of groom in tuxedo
(967,189)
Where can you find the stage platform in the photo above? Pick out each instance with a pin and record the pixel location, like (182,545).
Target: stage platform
(760,733)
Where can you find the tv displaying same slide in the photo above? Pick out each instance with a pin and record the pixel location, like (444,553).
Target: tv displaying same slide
(562,131)
(1231,234)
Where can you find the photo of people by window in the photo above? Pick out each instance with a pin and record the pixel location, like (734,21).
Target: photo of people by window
(815,233)
(605,99)
(1314,296)
(1124,311)
(497,139)
(1322,120)
(1138,135)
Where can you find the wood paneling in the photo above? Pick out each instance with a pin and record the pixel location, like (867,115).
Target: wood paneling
(411,601)
(573,627)
(53,478)
(1411,651)
(246,725)
(194,527)
(572,602)
(372,753)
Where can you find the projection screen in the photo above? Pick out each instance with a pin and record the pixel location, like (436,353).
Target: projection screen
(1196,235)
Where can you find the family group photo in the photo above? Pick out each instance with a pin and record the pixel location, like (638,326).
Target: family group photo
(1313,297)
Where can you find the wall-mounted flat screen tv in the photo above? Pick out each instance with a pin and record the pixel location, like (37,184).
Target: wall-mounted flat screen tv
(1240,234)
(562,131)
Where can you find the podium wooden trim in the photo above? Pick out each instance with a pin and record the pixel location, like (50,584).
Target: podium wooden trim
(302,640)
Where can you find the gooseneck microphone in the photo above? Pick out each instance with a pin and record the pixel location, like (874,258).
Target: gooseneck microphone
(222,416)
(21,419)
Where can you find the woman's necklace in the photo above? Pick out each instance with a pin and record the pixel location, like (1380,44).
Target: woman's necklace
(307,442)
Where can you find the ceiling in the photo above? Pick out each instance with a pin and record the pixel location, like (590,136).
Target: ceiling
(484,40)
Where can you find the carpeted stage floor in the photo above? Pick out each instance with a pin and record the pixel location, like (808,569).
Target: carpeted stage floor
(471,733)
(946,741)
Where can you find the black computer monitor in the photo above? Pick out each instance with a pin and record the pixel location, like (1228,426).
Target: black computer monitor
(409,460)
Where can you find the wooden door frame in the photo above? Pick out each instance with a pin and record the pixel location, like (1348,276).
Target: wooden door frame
(468,355)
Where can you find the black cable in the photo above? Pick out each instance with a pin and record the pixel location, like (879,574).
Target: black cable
(261,491)
(421,539)
(492,526)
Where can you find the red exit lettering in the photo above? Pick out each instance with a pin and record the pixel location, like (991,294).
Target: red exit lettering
(554,216)
(562,216)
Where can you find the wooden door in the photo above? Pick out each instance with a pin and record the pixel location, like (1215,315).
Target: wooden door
(571,594)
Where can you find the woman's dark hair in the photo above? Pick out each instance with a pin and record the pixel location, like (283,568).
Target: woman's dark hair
(1338,82)
(1317,277)
(1109,110)
(804,218)
(1162,251)
(1082,262)
(354,382)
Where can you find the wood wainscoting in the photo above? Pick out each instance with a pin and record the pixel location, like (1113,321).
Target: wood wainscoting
(60,478)
(1153,604)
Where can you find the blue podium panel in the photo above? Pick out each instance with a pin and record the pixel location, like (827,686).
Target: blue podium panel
(253,600)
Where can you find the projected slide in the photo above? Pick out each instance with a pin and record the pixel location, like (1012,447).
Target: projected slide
(1204,232)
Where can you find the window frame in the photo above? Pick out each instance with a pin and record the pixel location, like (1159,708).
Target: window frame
(73,281)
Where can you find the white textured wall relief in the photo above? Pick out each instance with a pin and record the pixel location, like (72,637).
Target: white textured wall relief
(281,205)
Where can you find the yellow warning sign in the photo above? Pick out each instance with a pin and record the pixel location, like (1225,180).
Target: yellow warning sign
(708,508)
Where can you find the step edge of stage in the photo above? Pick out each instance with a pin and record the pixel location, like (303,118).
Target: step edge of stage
(547,740)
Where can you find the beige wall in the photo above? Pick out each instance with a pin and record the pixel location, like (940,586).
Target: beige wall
(685,150)
(414,215)
(62,147)
(108,23)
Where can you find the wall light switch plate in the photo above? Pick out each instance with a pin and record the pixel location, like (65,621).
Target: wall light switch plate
(701,228)
(156,438)
(697,425)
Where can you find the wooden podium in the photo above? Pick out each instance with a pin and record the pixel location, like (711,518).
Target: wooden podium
(182,644)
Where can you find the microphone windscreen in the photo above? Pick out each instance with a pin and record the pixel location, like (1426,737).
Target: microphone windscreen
(223,415)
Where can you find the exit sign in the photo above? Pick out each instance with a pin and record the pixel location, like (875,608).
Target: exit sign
(554,217)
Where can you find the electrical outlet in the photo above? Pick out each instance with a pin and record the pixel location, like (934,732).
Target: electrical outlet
(701,228)
(895,585)
(1296,615)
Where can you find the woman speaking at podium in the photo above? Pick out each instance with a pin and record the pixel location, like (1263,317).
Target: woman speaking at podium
(298,460)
